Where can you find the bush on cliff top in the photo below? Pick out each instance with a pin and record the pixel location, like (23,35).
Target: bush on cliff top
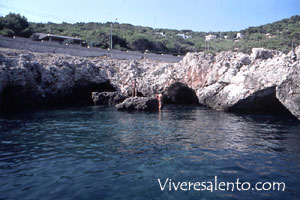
(15,25)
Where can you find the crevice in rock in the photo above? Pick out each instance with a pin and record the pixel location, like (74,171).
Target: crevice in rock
(261,102)
(180,93)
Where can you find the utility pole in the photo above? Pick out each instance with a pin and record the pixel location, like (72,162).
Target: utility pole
(111,42)
(154,21)
(208,44)
(111,36)
(49,30)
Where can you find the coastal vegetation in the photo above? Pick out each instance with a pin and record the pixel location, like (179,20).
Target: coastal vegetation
(281,35)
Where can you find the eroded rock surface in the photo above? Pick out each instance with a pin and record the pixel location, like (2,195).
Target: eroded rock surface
(29,79)
(107,98)
(288,92)
(139,103)
(236,81)
(262,81)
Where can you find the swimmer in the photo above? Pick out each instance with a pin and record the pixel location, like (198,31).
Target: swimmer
(159,99)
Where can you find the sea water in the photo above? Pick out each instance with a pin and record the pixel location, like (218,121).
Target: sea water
(98,152)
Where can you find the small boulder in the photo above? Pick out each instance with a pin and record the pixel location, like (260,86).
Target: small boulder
(138,103)
(261,53)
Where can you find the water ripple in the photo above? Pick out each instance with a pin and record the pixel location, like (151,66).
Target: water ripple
(100,153)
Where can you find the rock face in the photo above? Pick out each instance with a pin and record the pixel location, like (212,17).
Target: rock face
(139,103)
(261,53)
(236,81)
(107,98)
(29,79)
(261,82)
(288,92)
(297,53)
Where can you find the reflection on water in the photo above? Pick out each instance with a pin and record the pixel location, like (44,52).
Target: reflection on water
(100,153)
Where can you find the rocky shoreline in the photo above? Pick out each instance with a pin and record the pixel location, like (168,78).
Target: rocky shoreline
(265,81)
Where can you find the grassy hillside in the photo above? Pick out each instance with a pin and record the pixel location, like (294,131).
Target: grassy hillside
(281,35)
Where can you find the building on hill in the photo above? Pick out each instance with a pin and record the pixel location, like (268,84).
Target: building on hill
(269,35)
(162,34)
(239,36)
(184,36)
(210,37)
(58,38)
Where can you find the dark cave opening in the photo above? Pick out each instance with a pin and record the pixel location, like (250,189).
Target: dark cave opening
(180,93)
(82,95)
(15,98)
(261,102)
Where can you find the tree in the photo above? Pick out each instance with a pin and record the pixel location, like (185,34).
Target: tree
(142,44)
(15,24)
(119,41)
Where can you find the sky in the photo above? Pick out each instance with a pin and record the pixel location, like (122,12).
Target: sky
(196,15)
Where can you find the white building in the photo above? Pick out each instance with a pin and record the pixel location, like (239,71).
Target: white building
(239,36)
(184,36)
(269,35)
(162,34)
(210,37)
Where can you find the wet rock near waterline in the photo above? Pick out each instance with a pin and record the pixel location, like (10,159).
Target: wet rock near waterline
(107,98)
(138,103)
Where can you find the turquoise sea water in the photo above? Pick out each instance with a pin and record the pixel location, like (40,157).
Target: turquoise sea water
(99,153)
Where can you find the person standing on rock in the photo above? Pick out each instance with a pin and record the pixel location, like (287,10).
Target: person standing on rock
(134,90)
(159,99)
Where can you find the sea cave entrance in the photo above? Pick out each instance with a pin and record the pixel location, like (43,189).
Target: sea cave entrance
(180,93)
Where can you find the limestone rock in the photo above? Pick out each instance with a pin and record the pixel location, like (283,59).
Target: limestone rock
(261,53)
(31,79)
(107,98)
(231,81)
(297,52)
(288,92)
(138,103)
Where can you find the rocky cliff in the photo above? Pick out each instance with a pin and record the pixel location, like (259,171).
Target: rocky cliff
(30,79)
(261,82)
(236,81)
